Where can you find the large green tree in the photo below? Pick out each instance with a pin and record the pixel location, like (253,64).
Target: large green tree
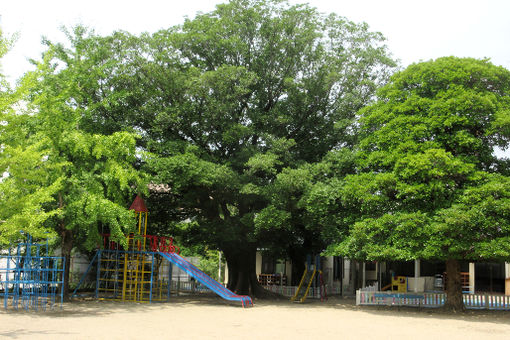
(429,185)
(239,97)
(87,177)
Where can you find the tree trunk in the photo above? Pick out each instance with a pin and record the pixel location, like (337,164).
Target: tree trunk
(242,278)
(298,261)
(453,286)
(355,277)
(232,270)
(67,246)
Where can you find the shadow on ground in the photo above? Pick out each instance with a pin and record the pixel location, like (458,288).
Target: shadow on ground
(91,307)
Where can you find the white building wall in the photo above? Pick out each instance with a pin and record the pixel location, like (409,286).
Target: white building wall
(258,263)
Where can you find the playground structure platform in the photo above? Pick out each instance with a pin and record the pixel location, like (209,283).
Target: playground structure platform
(31,279)
(312,271)
(145,275)
(206,280)
(142,272)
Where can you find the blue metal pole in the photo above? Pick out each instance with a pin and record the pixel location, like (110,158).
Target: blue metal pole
(17,278)
(117,275)
(43,283)
(45,276)
(55,279)
(62,282)
(169,280)
(6,286)
(85,275)
(152,276)
(98,272)
(52,278)
(37,276)
(24,275)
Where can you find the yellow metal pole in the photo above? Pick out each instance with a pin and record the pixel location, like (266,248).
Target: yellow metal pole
(142,261)
(300,285)
(125,276)
(139,226)
(144,228)
(137,256)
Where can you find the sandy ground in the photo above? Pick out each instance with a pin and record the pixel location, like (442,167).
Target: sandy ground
(211,318)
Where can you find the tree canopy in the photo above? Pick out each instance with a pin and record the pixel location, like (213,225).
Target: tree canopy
(240,97)
(68,178)
(429,185)
(259,126)
(231,105)
(23,167)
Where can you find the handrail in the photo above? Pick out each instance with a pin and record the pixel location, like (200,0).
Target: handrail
(155,243)
(308,287)
(300,285)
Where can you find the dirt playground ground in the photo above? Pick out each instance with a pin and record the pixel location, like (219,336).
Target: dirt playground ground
(211,318)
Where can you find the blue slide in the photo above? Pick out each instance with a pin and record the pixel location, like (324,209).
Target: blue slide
(205,279)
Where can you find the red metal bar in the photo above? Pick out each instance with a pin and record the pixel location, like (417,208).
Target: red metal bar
(155,243)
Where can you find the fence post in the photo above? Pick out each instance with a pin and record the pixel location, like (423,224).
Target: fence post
(281,283)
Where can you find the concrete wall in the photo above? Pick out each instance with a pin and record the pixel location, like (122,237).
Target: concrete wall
(288,270)
(258,264)
(420,284)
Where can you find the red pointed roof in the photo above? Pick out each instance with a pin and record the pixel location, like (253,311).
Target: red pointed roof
(138,205)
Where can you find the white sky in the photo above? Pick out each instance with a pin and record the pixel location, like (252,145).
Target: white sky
(416,30)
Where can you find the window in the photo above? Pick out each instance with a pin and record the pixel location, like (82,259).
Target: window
(268,265)
(337,267)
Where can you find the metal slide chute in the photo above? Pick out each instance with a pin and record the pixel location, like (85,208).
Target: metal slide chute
(310,273)
(304,286)
(205,279)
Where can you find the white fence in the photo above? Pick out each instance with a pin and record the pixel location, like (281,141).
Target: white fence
(188,286)
(314,293)
(288,291)
(372,288)
(471,301)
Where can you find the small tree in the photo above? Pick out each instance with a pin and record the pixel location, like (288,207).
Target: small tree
(427,185)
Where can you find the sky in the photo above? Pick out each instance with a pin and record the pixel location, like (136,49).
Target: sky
(415,30)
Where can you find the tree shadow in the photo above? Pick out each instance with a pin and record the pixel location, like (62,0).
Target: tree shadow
(349,304)
(90,307)
(24,333)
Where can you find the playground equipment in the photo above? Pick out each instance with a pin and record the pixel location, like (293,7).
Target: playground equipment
(398,284)
(31,279)
(143,272)
(307,279)
(206,280)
